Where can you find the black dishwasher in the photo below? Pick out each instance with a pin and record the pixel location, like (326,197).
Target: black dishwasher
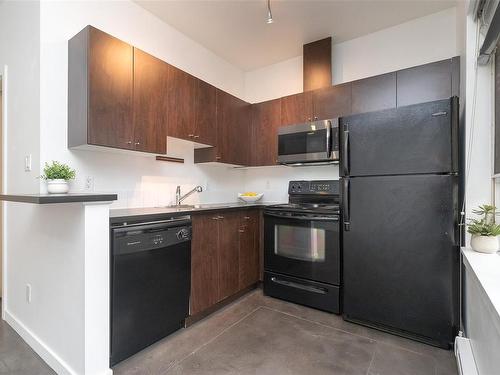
(150,283)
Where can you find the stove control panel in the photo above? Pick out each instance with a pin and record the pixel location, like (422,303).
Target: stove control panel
(318,187)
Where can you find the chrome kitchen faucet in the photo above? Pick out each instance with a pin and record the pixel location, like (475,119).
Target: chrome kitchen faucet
(179,198)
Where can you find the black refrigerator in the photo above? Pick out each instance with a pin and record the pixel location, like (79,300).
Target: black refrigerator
(400,208)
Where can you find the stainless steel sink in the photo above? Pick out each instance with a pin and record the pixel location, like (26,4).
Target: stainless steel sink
(182,206)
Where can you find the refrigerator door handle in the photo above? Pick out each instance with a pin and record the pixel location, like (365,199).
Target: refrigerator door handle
(345,152)
(345,205)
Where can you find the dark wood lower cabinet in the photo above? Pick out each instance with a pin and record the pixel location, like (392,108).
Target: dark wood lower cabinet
(204,263)
(229,224)
(249,256)
(225,257)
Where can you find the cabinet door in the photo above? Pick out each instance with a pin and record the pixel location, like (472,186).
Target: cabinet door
(150,103)
(110,77)
(374,93)
(296,109)
(204,263)
(181,113)
(249,262)
(233,129)
(229,225)
(205,130)
(331,102)
(266,119)
(424,83)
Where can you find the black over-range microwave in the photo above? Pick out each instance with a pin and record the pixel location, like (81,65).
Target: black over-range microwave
(314,142)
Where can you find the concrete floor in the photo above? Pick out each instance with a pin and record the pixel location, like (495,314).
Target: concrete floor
(262,335)
(16,357)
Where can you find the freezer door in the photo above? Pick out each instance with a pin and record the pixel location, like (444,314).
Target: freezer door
(400,258)
(420,138)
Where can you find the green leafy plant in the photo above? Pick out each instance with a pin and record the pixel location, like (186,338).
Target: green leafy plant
(485,226)
(485,209)
(58,171)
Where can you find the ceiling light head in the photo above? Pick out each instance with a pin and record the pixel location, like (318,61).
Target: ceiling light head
(269,13)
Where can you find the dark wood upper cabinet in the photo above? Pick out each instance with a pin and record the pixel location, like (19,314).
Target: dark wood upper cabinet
(205,124)
(249,257)
(182,96)
(233,129)
(424,83)
(100,82)
(150,103)
(374,93)
(331,102)
(317,64)
(266,119)
(296,109)
(204,262)
(228,254)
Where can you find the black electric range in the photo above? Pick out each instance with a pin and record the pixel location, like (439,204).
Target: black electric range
(302,246)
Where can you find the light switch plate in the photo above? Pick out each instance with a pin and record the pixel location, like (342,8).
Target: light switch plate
(27,163)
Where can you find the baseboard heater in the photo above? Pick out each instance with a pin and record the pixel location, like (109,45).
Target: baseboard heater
(465,358)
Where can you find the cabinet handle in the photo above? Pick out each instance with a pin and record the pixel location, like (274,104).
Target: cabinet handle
(315,117)
(196,136)
(217,158)
(241,230)
(220,217)
(308,119)
(190,135)
(137,143)
(247,217)
(215,218)
(129,142)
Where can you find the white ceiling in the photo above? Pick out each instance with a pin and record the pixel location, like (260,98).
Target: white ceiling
(237,31)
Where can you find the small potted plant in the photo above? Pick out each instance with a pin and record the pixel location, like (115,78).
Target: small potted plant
(484,231)
(57,176)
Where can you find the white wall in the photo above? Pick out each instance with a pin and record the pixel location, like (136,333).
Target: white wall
(20,51)
(420,41)
(20,54)
(139,181)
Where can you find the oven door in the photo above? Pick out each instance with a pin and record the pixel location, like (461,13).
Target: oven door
(304,246)
(306,143)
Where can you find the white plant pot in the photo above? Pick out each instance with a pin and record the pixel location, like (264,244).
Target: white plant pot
(57,186)
(484,244)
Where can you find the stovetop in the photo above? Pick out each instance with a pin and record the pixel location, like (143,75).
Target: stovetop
(312,197)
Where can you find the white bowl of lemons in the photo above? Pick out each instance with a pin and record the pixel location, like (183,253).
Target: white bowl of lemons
(250,196)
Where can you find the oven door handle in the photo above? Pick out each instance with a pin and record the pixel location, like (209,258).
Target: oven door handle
(311,218)
(291,284)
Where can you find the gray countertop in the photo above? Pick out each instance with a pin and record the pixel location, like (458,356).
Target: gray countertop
(131,214)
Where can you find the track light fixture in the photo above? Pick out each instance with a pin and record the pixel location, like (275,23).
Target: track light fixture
(269,13)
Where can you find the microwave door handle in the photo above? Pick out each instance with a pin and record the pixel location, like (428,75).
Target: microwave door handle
(328,139)
(346,215)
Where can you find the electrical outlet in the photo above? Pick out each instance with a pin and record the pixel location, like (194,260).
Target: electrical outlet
(28,293)
(89,183)
(27,163)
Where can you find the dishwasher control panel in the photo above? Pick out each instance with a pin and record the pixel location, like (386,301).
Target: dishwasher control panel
(135,239)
